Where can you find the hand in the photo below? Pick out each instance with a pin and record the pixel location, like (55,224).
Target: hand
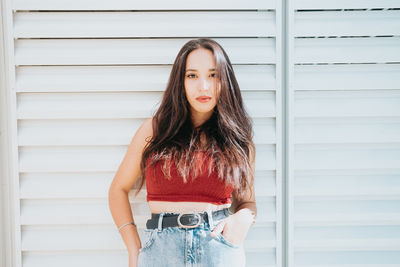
(234,228)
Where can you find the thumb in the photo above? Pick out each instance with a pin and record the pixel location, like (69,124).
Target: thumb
(218,229)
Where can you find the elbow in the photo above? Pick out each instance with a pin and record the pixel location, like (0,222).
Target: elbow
(114,191)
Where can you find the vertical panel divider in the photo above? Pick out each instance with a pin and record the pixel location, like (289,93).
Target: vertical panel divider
(289,127)
(10,202)
(280,133)
(284,66)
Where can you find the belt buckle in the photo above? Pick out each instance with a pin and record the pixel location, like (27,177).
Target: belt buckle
(189,226)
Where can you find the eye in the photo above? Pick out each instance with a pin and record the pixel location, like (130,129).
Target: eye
(190,75)
(213,75)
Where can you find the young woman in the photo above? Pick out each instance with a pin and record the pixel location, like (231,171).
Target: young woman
(196,155)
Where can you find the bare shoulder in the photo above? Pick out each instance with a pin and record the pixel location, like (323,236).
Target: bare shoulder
(129,169)
(145,131)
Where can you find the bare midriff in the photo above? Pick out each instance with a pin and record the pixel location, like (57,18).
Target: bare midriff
(184,207)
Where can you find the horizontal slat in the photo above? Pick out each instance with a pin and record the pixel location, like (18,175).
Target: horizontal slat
(144,24)
(350,218)
(347,156)
(344,4)
(101,159)
(74,211)
(356,197)
(348,244)
(133,51)
(141,5)
(115,258)
(71,159)
(117,105)
(124,78)
(347,104)
(65,185)
(347,185)
(266,258)
(351,233)
(107,132)
(83,258)
(77,132)
(77,238)
(347,50)
(87,105)
(96,185)
(347,130)
(259,245)
(35,239)
(260,239)
(96,211)
(347,77)
(264,130)
(347,23)
(344,209)
(265,182)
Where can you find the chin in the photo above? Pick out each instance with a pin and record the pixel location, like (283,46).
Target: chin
(204,110)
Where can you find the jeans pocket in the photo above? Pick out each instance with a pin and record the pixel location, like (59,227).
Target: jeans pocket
(147,238)
(224,241)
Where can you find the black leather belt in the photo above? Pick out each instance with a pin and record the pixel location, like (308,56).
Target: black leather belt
(185,220)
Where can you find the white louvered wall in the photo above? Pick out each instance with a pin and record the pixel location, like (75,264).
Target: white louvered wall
(344,133)
(87,73)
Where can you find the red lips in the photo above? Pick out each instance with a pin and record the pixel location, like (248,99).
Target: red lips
(203,98)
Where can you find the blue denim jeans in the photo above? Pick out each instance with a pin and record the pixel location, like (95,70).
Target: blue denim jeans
(176,247)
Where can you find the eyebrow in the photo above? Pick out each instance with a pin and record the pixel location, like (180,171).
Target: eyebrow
(196,70)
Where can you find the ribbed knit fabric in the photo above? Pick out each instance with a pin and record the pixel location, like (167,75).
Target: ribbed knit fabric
(204,188)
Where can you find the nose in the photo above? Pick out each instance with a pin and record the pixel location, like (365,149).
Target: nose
(205,84)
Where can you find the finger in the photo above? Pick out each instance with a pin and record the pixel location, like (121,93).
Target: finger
(218,229)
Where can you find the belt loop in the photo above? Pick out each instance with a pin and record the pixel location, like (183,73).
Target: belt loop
(160,219)
(229,212)
(210,219)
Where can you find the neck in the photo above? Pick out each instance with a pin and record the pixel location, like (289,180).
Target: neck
(198,118)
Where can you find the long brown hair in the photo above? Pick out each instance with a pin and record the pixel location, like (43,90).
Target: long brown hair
(228,131)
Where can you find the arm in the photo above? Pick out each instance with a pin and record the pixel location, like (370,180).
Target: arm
(245,206)
(236,226)
(124,179)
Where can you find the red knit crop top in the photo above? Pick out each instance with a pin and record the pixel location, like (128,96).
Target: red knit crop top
(205,188)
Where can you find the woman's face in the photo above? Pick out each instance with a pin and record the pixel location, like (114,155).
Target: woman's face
(201,81)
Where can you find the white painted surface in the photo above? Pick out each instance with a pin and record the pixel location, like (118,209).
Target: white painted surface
(344,133)
(82,92)
(99,74)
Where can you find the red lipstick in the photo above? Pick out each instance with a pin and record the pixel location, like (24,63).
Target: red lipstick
(203,98)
